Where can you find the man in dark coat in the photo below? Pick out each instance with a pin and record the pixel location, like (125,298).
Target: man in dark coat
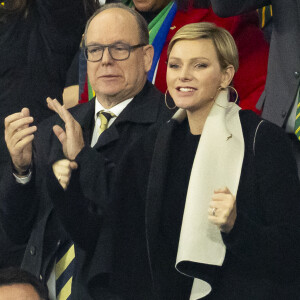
(119,57)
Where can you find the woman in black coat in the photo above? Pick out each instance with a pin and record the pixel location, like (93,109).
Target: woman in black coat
(220,192)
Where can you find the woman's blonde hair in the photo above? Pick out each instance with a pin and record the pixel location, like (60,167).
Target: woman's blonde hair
(223,41)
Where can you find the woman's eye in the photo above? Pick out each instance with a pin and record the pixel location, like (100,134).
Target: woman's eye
(173,66)
(199,66)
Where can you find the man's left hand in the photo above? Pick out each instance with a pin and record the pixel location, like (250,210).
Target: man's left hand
(72,138)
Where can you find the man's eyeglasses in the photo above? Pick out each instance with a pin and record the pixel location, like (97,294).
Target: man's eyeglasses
(117,51)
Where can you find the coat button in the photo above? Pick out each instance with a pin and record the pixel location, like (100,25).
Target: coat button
(297,74)
(41,277)
(58,243)
(32,250)
(283,113)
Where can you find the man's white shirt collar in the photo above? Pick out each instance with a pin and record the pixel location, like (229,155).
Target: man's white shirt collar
(116,110)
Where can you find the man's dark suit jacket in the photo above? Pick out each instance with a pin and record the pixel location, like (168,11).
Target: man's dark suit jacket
(29,214)
(284,60)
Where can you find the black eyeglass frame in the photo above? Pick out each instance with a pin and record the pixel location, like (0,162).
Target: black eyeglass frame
(109,46)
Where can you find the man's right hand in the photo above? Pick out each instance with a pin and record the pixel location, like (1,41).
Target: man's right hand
(18,138)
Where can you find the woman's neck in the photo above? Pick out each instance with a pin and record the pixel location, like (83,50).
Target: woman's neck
(197,119)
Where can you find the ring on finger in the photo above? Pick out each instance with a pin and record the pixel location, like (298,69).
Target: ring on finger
(214,211)
(59,177)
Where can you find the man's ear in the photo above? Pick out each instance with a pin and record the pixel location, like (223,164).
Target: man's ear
(227,76)
(148,57)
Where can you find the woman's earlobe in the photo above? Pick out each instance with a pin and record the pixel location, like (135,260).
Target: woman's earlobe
(228,75)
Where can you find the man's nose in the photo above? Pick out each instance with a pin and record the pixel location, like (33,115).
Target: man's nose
(106,58)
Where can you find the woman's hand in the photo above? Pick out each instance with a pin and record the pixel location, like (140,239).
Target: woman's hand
(62,170)
(222,209)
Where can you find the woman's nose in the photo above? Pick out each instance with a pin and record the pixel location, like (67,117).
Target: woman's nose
(185,74)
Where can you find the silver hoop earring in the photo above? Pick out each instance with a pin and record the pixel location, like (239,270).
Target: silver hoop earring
(167,102)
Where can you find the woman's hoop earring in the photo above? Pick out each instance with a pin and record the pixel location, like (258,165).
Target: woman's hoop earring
(217,93)
(220,89)
(236,93)
(167,102)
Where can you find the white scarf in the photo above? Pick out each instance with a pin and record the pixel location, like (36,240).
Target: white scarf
(217,163)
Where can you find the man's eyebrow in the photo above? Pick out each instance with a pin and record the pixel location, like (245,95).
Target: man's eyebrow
(93,44)
(98,44)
